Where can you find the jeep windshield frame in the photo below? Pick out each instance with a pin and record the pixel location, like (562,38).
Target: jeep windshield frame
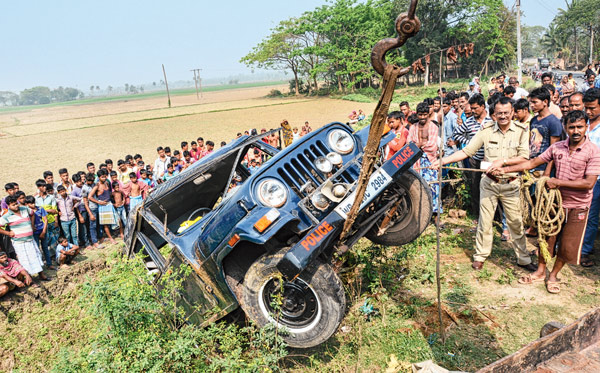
(203,184)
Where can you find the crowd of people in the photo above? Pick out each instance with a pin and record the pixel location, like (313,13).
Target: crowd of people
(82,210)
(550,131)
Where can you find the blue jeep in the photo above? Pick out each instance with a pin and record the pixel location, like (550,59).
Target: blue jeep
(265,241)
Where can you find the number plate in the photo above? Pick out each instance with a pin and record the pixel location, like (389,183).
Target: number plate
(378,181)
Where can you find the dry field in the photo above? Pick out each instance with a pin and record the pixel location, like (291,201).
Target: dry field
(70,136)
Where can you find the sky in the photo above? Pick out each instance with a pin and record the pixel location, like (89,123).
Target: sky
(83,43)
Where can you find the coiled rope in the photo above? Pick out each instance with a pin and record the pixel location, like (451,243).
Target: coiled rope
(547,214)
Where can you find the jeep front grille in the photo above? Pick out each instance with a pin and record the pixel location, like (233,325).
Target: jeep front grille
(300,170)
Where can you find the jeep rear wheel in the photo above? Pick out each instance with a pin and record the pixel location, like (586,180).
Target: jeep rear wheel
(411,215)
(311,307)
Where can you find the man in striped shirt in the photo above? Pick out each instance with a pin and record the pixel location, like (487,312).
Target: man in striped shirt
(19,219)
(463,135)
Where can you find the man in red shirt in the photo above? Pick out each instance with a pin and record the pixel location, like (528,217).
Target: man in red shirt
(577,163)
(395,121)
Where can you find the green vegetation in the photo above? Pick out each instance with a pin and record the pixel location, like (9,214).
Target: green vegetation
(570,32)
(333,43)
(104,315)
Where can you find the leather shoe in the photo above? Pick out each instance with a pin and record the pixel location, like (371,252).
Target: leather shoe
(477,265)
(529,267)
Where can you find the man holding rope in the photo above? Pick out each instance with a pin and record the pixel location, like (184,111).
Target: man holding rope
(505,143)
(577,163)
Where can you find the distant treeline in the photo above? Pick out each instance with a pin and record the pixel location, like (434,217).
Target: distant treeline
(39,95)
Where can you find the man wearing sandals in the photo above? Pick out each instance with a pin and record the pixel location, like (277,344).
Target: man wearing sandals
(577,163)
(505,142)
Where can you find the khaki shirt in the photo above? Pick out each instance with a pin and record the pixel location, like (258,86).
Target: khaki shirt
(498,145)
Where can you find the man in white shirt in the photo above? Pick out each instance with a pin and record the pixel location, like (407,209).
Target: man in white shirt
(160,164)
(520,92)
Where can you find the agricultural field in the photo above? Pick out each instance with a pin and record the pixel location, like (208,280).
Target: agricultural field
(49,138)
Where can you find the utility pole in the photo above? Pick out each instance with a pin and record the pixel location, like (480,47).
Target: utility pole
(166,84)
(519,61)
(197,82)
(591,44)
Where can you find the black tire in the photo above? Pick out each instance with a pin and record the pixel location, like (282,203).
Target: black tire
(313,305)
(413,215)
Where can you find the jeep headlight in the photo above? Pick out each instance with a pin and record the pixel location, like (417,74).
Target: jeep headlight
(324,165)
(272,193)
(341,141)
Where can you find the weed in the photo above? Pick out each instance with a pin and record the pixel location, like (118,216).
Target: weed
(508,277)
(484,274)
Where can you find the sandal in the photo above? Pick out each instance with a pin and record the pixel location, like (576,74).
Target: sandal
(586,261)
(553,287)
(529,280)
(505,236)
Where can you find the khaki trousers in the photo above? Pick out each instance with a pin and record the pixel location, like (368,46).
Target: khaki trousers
(491,193)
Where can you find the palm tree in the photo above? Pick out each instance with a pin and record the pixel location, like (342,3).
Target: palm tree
(556,43)
(566,14)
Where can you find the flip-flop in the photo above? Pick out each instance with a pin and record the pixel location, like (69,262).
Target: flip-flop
(553,287)
(586,261)
(529,280)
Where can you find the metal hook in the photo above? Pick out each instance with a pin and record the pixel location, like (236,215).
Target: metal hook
(407,25)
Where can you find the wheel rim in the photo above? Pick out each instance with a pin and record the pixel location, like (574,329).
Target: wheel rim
(403,212)
(292,304)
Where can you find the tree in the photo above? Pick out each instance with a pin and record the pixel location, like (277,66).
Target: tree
(91,88)
(279,51)
(97,88)
(126,87)
(8,98)
(531,37)
(35,96)
(109,88)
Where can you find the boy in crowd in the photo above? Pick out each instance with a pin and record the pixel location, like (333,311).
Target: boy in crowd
(160,164)
(20,197)
(40,229)
(68,219)
(188,158)
(118,199)
(545,127)
(522,114)
(65,251)
(577,163)
(395,121)
(194,150)
(123,171)
(18,218)
(171,173)
(144,178)
(92,211)
(10,191)
(64,180)
(210,146)
(425,136)
(137,192)
(82,216)
(109,165)
(47,200)
(12,274)
(107,216)
(49,179)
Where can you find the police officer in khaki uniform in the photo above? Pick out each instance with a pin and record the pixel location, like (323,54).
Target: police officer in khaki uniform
(506,143)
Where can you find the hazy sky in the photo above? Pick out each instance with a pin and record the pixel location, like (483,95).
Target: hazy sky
(80,43)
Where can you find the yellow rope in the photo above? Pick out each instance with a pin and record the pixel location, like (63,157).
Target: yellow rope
(547,214)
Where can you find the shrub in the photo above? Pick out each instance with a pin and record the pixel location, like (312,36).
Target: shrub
(140,328)
(275,93)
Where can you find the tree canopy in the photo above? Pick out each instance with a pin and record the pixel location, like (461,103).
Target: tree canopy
(333,43)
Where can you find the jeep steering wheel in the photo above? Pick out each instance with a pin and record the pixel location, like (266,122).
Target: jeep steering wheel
(206,209)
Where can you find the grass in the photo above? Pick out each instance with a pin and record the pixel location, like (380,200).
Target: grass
(392,320)
(140,96)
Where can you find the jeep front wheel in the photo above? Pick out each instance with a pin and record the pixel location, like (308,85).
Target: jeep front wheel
(409,217)
(310,308)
